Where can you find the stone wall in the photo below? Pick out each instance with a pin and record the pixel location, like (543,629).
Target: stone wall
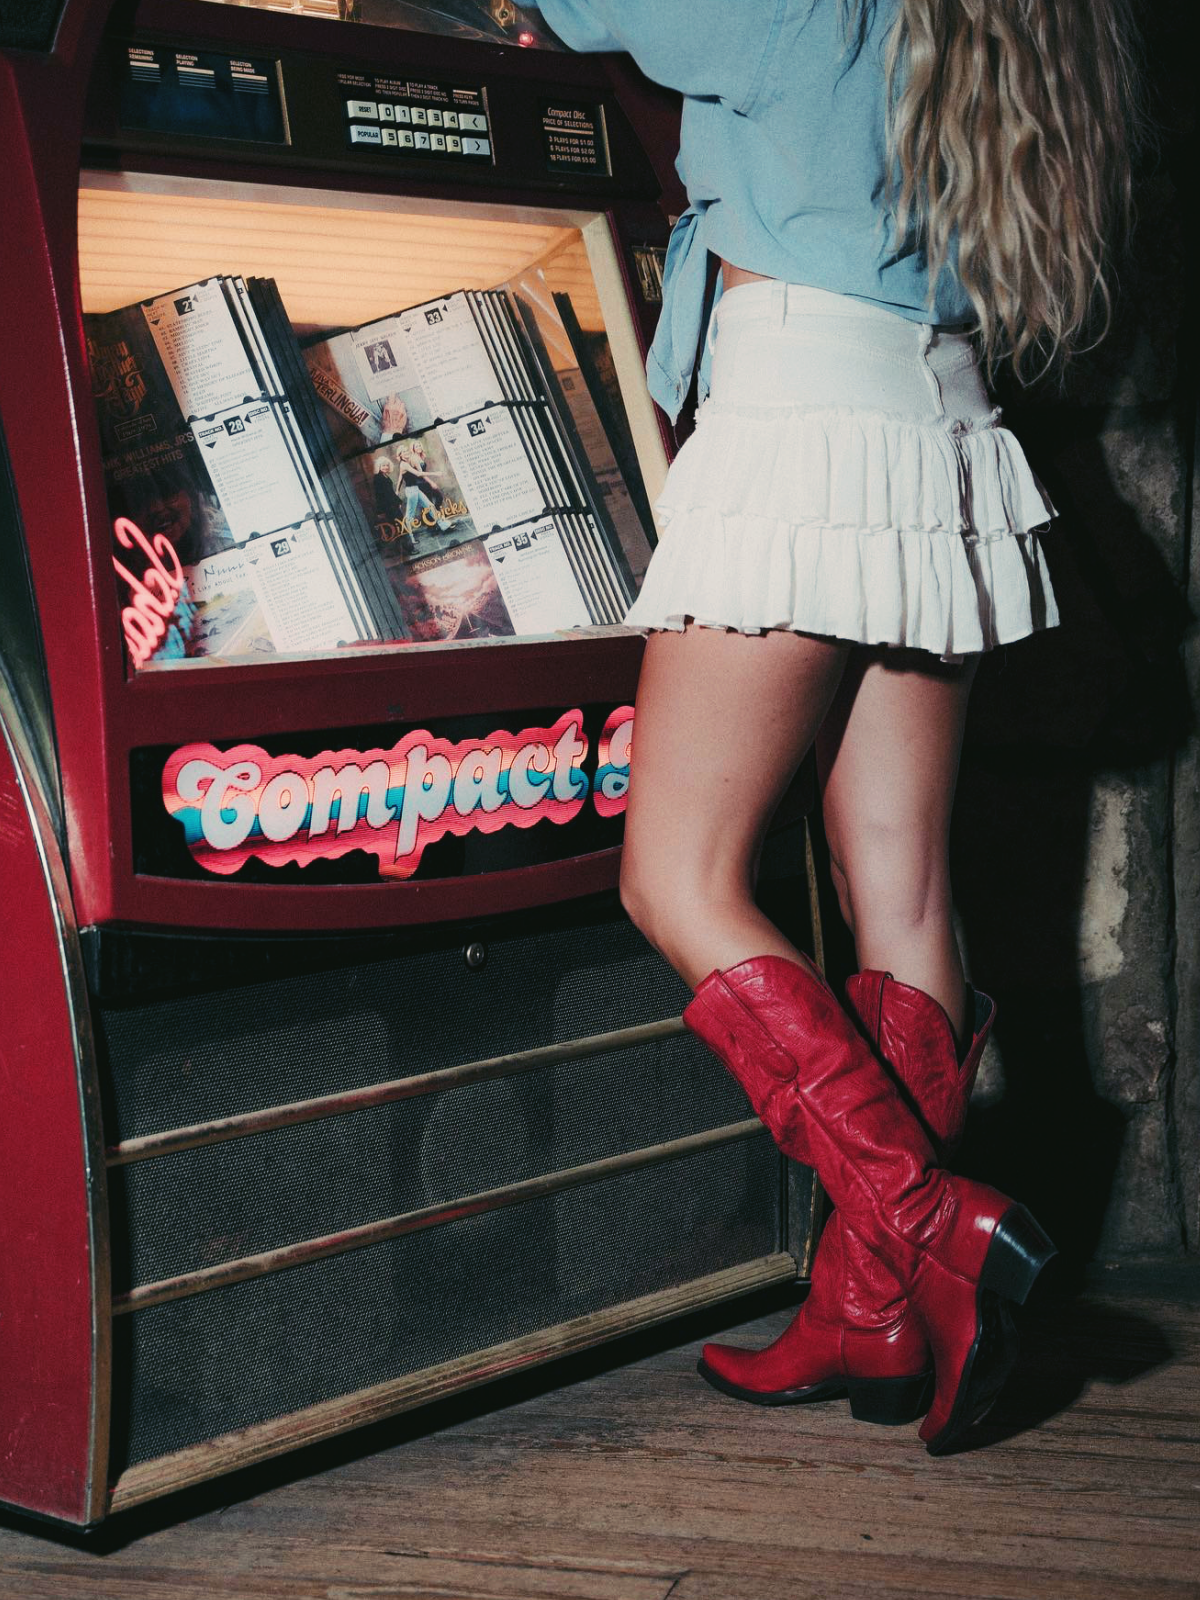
(1077,848)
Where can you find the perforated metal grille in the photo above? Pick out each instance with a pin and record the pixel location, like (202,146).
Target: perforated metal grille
(205,1366)
(194,1368)
(210,1055)
(178,1213)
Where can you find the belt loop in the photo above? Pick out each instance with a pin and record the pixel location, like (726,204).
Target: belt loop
(931,377)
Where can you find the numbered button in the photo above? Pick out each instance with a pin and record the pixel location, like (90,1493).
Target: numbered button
(435,117)
(420,115)
(389,136)
(437,141)
(454,144)
(406,138)
(403,114)
(450,119)
(422,141)
(387,113)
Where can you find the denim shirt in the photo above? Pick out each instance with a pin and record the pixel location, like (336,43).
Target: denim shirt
(783,154)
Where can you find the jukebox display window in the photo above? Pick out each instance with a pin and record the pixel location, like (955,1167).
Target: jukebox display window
(335,420)
(495,21)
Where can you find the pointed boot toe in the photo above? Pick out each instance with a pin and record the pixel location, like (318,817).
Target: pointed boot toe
(853,1336)
(760,1378)
(753,1376)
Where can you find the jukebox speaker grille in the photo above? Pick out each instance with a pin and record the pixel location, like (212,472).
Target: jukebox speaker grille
(206,1346)
(202,1367)
(218,1053)
(194,1209)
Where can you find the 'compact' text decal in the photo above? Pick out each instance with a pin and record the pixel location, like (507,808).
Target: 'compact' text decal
(233,804)
(612,771)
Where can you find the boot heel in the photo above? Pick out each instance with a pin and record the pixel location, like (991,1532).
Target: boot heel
(1018,1252)
(890,1401)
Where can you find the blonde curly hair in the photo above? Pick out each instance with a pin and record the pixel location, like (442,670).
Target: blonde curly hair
(1010,128)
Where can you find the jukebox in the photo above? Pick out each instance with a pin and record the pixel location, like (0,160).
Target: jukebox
(334,1079)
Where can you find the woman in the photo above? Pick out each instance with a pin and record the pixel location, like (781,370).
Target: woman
(892,187)
(421,490)
(388,505)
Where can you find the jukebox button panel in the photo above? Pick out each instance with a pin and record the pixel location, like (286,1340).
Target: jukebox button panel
(456,125)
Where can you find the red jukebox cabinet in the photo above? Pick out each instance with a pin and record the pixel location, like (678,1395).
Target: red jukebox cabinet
(333,1079)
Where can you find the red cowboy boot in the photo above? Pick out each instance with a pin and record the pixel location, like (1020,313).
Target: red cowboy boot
(856,1334)
(960,1250)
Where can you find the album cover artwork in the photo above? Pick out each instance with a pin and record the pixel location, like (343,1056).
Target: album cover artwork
(206,457)
(453,595)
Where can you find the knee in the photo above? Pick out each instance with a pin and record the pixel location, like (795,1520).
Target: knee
(637,894)
(669,895)
(653,893)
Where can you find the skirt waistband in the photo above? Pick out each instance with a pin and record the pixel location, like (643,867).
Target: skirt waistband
(772,296)
(789,344)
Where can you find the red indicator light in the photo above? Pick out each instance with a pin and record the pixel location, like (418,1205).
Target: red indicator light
(525,39)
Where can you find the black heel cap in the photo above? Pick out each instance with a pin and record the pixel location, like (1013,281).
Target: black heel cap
(890,1402)
(1018,1252)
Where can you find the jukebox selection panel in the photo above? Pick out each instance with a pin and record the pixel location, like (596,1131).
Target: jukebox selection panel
(337,113)
(203,93)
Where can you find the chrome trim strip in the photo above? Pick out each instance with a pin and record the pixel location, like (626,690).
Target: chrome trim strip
(75,986)
(232,1451)
(267,1120)
(228,1273)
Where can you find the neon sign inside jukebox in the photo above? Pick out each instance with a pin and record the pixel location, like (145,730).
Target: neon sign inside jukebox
(157,599)
(238,803)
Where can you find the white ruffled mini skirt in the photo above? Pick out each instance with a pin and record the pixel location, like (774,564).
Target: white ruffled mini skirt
(848,477)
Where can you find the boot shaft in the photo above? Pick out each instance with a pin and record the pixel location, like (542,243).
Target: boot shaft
(821,1091)
(913,1036)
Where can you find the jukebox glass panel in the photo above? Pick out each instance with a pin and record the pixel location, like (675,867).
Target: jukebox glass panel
(495,21)
(344,420)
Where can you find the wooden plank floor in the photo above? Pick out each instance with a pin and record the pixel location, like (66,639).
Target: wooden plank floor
(623,1477)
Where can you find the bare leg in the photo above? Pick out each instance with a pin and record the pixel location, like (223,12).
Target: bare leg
(723,720)
(888,758)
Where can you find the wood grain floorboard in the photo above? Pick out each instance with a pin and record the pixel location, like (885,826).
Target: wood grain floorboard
(625,1478)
